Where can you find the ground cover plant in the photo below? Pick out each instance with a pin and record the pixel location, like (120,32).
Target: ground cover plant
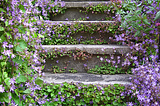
(19,59)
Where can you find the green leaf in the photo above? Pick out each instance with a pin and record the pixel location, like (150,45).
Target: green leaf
(22,45)
(3,63)
(8,34)
(148,29)
(115,103)
(7,81)
(27,91)
(41,36)
(21,7)
(6,23)
(146,21)
(17,100)
(137,33)
(2,10)
(5,74)
(21,78)
(1,28)
(39,81)
(157,16)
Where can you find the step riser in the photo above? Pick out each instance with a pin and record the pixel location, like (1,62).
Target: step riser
(81,37)
(75,14)
(93,56)
(69,63)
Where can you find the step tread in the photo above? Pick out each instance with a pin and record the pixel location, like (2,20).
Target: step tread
(87,78)
(74,22)
(84,3)
(92,49)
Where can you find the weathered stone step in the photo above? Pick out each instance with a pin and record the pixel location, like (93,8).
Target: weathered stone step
(82,0)
(83,4)
(92,49)
(93,32)
(79,22)
(73,9)
(87,78)
(80,57)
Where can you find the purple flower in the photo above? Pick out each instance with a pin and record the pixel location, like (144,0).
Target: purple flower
(59,93)
(85,65)
(130,104)
(56,99)
(5,44)
(103,92)
(1,57)
(7,52)
(57,61)
(91,102)
(62,99)
(78,94)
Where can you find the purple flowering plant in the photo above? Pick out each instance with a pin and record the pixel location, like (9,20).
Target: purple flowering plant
(139,26)
(19,59)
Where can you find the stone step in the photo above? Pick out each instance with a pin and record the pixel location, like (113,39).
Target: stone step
(77,22)
(74,10)
(80,57)
(76,32)
(91,49)
(83,4)
(82,0)
(87,78)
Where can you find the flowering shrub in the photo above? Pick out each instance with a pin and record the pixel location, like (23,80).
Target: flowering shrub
(139,24)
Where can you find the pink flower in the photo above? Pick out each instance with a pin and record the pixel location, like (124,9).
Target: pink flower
(119,1)
(157,24)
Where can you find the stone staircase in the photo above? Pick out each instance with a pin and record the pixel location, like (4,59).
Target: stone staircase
(82,57)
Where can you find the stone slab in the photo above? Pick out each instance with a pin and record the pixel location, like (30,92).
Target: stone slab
(81,0)
(74,22)
(84,3)
(87,78)
(92,49)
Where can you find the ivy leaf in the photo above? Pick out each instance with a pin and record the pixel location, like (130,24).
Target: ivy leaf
(1,28)
(2,10)
(21,78)
(22,45)
(27,91)
(157,15)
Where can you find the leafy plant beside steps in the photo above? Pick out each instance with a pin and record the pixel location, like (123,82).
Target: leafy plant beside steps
(78,94)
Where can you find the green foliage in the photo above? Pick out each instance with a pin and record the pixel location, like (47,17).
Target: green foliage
(66,34)
(108,69)
(56,69)
(73,70)
(157,15)
(80,94)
